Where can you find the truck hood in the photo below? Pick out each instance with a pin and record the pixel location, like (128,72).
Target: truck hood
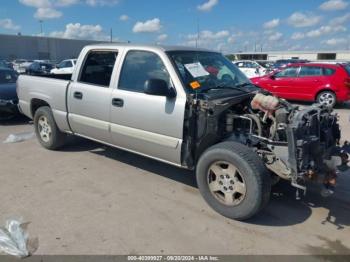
(8,91)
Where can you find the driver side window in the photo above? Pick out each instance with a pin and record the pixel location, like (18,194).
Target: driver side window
(288,72)
(140,66)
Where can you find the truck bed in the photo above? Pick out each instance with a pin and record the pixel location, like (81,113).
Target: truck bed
(49,89)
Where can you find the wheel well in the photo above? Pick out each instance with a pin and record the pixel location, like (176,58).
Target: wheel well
(323,90)
(36,104)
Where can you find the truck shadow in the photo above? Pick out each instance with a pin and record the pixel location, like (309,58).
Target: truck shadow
(15,121)
(282,210)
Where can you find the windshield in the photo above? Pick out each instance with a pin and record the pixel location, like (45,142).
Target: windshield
(201,71)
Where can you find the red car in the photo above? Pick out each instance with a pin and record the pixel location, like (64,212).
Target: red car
(327,84)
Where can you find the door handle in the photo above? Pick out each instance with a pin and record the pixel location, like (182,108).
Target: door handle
(118,102)
(78,95)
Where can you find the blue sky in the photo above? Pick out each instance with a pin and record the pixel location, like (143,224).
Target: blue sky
(225,25)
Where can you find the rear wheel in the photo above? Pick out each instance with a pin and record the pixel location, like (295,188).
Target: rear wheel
(46,129)
(233,180)
(327,98)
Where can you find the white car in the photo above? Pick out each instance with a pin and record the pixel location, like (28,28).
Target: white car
(20,65)
(65,67)
(250,68)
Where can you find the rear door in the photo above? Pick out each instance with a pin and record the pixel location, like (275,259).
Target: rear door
(147,124)
(310,79)
(90,95)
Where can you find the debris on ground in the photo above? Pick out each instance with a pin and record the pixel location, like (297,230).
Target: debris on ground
(20,137)
(13,239)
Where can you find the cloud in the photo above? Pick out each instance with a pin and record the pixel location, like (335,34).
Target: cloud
(276,36)
(47,13)
(333,5)
(323,30)
(271,24)
(149,26)
(297,36)
(46,9)
(231,40)
(36,3)
(162,37)
(207,6)
(123,18)
(8,24)
(208,39)
(65,2)
(340,19)
(79,31)
(336,41)
(299,19)
(206,34)
(101,2)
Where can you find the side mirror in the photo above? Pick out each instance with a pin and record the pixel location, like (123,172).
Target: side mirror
(273,77)
(159,87)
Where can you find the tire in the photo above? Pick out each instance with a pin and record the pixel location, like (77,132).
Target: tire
(247,189)
(46,130)
(327,98)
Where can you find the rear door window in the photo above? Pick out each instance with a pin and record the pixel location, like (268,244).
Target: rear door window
(328,71)
(98,67)
(310,71)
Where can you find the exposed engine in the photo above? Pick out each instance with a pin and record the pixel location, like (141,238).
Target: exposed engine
(295,144)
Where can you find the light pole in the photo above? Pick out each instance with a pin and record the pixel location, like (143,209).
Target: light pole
(41,27)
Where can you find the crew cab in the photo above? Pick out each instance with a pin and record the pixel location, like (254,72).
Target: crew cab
(187,107)
(326,84)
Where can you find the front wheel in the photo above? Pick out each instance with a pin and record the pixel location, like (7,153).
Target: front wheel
(327,98)
(46,129)
(233,180)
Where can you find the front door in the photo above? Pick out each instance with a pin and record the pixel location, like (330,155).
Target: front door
(282,83)
(147,124)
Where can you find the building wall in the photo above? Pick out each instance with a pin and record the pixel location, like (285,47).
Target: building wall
(312,55)
(308,56)
(33,47)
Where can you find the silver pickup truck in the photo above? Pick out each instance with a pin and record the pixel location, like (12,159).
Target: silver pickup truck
(191,108)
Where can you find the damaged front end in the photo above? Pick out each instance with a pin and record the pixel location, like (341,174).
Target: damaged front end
(296,144)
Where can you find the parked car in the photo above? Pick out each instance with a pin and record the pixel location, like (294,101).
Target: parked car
(65,67)
(267,64)
(20,65)
(39,69)
(282,63)
(326,84)
(163,103)
(8,95)
(5,64)
(250,68)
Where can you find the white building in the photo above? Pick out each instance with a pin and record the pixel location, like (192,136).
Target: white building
(340,55)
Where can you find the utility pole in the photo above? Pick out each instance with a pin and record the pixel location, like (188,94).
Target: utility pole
(41,27)
(111,35)
(197,40)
